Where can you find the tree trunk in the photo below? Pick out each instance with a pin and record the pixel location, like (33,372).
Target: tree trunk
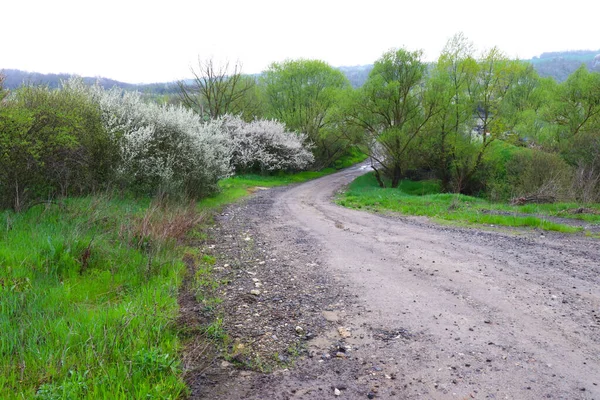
(396,176)
(378,177)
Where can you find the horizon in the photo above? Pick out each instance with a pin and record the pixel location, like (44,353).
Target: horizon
(538,56)
(137,43)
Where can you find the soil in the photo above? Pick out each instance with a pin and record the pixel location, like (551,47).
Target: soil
(359,305)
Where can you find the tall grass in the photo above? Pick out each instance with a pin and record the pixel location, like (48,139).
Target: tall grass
(88,297)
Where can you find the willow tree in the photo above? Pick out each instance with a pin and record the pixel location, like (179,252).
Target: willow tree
(448,132)
(393,108)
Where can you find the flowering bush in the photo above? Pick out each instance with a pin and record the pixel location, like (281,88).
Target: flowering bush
(264,145)
(162,148)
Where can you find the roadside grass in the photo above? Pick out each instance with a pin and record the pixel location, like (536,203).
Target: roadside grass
(88,299)
(89,288)
(423,199)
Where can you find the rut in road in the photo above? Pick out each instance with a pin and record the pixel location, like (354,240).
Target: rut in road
(438,312)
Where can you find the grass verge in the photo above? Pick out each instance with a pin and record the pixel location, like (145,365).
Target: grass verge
(88,297)
(89,289)
(423,199)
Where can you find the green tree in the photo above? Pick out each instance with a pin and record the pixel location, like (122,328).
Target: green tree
(494,79)
(448,132)
(577,109)
(304,95)
(392,108)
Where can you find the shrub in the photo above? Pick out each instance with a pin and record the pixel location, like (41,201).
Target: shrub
(539,173)
(264,145)
(51,142)
(163,148)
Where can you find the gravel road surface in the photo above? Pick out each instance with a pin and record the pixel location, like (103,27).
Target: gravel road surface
(376,306)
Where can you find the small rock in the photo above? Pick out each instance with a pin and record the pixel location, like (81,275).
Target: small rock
(337,392)
(255,292)
(247,238)
(340,354)
(299,330)
(343,332)
(371,395)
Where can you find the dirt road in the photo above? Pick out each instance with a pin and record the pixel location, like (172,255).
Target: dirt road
(404,308)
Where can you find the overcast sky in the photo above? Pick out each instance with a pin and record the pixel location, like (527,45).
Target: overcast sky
(144,41)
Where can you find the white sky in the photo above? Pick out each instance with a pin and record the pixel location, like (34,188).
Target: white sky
(144,41)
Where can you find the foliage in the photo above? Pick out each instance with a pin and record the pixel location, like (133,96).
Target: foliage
(3,91)
(392,107)
(303,94)
(163,149)
(51,142)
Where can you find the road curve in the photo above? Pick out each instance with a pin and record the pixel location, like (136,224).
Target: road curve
(463,313)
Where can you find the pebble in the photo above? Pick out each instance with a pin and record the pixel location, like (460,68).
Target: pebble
(337,392)
(255,292)
(344,332)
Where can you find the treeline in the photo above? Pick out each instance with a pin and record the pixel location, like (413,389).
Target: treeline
(481,124)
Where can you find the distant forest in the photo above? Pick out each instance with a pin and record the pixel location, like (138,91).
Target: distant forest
(558,65)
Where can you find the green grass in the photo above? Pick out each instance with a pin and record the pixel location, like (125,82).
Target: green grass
(88,293)
(423,199)
(88,296)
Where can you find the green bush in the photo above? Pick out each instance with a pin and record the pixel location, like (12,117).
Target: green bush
(516,171)
(51,143)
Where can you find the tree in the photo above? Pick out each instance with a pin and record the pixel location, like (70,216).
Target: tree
(216,90)
(392,108)
(304,95)
(448,82)
(494,78)
(577,110)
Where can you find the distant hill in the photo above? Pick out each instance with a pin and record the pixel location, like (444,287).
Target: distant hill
(558,65)
(357,75)
(15,78)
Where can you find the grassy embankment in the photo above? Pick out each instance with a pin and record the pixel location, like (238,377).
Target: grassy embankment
(423,198)
(88,293)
